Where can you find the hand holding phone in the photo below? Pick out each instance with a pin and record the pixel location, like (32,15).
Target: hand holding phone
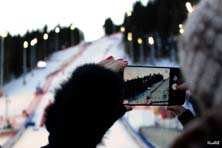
(154,86)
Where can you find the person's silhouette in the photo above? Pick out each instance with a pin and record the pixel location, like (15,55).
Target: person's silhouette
(86,105)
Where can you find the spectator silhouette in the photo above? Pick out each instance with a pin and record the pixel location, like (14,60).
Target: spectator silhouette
(86,106)
(200,49)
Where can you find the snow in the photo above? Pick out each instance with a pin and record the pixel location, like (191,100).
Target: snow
(33,137)
(20,95)
(138,118)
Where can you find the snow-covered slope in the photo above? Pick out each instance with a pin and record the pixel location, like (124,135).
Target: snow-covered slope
(59,67)
(60,64)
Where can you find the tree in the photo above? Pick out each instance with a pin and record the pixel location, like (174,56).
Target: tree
(108,26)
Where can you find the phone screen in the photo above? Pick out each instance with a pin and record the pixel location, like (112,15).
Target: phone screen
(151,85)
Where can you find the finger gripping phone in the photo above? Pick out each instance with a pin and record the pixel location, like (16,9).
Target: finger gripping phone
(153,86)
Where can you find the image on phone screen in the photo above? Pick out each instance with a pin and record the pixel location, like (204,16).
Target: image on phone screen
(147,85)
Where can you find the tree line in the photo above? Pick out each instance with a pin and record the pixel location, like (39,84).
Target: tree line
(47,42)
(160,19)
(138,85)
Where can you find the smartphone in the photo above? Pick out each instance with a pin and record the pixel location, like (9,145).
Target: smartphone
(153,86)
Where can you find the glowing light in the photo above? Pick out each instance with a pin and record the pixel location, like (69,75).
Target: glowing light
(150,40)
(189,7)
(41,64)
(72,27)
(25,44)
(129,36)
(139,41)
(129,13)
(181,31)
(4,34)
(45,36)
(180,26)
(122,29)
(34,41)
(57,30)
